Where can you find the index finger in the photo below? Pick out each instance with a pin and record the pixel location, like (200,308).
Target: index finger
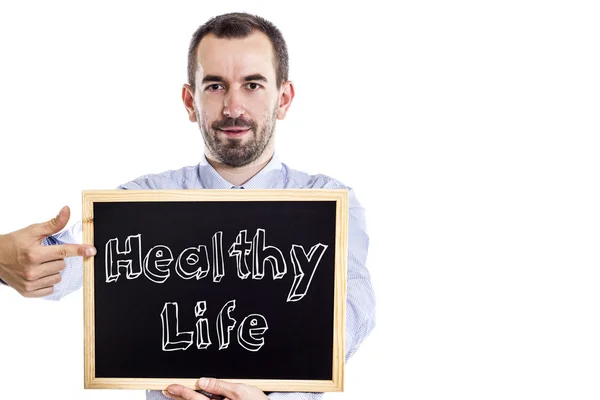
(61,251)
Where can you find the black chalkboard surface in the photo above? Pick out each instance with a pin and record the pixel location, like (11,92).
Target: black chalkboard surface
(243,285)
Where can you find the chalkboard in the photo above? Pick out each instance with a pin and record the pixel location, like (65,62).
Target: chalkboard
(242,285)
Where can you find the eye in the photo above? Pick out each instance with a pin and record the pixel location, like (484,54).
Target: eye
(253,86)
(214,87)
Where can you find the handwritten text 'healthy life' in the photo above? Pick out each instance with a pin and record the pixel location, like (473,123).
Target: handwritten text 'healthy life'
(251,258)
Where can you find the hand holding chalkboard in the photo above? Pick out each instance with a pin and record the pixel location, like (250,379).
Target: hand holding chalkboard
(31,268)
(215,389)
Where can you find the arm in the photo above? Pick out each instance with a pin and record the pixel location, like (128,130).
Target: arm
(360,300)
(32,268)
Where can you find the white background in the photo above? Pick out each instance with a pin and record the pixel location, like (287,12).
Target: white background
(469,130)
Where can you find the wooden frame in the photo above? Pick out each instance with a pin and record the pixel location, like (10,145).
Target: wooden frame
(340,196)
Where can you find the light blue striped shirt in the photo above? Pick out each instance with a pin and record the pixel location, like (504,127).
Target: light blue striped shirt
(360,308)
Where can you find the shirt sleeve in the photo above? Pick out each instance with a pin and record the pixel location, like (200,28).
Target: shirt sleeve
(360,297)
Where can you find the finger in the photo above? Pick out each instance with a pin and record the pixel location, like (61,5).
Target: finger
(38,293)
(180,392)
(45,282)
(46,269)
(49,281)
(234,391)
(62,251)
(54,225)
(171,396)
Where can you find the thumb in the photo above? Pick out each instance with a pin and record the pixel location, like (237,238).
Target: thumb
(55,225)
(230,390)
(182,392)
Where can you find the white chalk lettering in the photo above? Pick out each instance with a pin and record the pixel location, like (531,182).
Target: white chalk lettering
(190,258)
(218,262)
(224,328)
(263,254)
(240,250)
(250,332)
(310,262)
(172,339)
(156,263)
(130,258)
(251,258)
(202,333)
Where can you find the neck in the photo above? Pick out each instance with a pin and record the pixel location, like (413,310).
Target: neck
(239,175)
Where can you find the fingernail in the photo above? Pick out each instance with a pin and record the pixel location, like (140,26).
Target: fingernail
(90,251)
(166,393)
(202,382)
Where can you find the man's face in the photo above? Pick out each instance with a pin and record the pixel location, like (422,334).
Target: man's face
(236,101)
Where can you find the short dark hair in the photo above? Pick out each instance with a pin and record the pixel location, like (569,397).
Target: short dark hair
(240,25)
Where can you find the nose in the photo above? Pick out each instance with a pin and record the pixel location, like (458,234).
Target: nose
(233,107)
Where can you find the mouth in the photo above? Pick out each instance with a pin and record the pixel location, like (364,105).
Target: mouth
(235,132)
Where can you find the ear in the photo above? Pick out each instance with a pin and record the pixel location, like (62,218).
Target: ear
(187,95)
(285,99)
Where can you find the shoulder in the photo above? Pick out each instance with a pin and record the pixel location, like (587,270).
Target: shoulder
(296,179)
(182,178)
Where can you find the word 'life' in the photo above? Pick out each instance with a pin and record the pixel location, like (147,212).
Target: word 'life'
(251,259)
(249,331)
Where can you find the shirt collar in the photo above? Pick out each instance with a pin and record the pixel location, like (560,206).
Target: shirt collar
(265,178)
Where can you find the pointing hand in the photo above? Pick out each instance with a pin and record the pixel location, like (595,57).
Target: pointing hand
(31,268)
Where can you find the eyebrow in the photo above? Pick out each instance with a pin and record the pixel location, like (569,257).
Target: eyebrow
(212,78)
(255,77)
(217,78)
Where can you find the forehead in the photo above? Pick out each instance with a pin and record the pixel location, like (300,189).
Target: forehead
(234,58)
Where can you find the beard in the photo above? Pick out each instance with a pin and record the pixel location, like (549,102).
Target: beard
(237,152)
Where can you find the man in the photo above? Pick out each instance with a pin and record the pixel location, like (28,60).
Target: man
(237,88)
